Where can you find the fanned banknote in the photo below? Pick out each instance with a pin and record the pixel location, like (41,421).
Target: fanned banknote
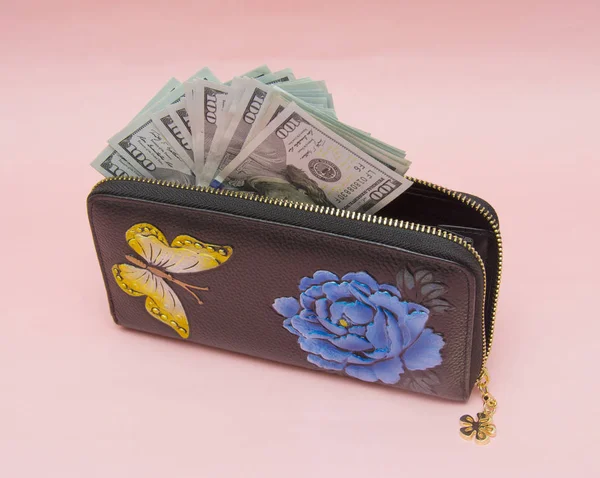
(264,132)
(172,132)
(234,134)
(296,154)
(206,103)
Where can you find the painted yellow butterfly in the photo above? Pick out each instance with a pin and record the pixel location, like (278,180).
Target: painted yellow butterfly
(151,278)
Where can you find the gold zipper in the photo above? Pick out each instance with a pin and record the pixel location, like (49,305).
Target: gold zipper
(496,230)
(483,378)
(482,429)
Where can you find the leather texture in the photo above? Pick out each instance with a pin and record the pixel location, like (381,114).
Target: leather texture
(268,261)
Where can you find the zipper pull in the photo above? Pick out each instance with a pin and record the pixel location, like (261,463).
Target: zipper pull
(482,429)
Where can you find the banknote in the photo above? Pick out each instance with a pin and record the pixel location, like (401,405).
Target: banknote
(275,106)
(181,118)
(110,163)
(142,145)
(392,157)
(178,93)
(263,132)
(296,155)
(229,143)
(174,134)
(277,77)
(165,90)
(205,102)
(305,85)
(255,73)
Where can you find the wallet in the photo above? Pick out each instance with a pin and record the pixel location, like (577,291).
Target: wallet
(405,298)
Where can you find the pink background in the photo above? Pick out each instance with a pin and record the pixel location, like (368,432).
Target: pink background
(498,100)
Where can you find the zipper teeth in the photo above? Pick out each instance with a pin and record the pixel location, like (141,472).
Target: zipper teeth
(331,211)
(496,229)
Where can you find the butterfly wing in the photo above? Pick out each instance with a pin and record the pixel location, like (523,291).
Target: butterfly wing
(186,254)
(161,302)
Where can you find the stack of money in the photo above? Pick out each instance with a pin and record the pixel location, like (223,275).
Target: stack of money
(263,132)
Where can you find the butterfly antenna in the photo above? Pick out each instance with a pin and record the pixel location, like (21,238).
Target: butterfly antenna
(196,287)
(189,288)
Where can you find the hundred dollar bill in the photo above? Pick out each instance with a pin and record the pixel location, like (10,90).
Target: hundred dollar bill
(315,86)
(142,145)
(174,134)
(110,163)
(169,86)
(295,151)
(181,118)
(255,73)
(205,102)
(277,77)
(229,143)
(393,157)
(205,74)
(178,93)
(275,105)
(175,94)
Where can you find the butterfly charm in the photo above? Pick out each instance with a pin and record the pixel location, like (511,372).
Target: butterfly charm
(153,276)
(481,429)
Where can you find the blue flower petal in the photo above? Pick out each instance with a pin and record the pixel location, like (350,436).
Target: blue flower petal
(361,287)
(378,354)
(405,334)
(335,291)
(358,330)
(391,289)
(336,310)
(385,334)
(358,294)
(363,278)
(310,329)
(287,323)
(388,371)
(326,364)
(333,328)
(359,313)
(392,303)
(308,315)
(361,372)
(360,360)
(351,342)
(377,331)
(324,349)
(424,353)
(318,278)
(322,307)
(415,323)
(307,301)
(286,306)
(412,308)
(394,333)
(315,291)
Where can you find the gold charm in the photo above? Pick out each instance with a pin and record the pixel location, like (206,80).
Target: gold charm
(482,429)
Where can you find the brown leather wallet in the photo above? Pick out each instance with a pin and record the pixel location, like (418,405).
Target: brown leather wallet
(406,298)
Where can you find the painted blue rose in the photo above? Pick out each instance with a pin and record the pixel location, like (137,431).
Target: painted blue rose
(360,327)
